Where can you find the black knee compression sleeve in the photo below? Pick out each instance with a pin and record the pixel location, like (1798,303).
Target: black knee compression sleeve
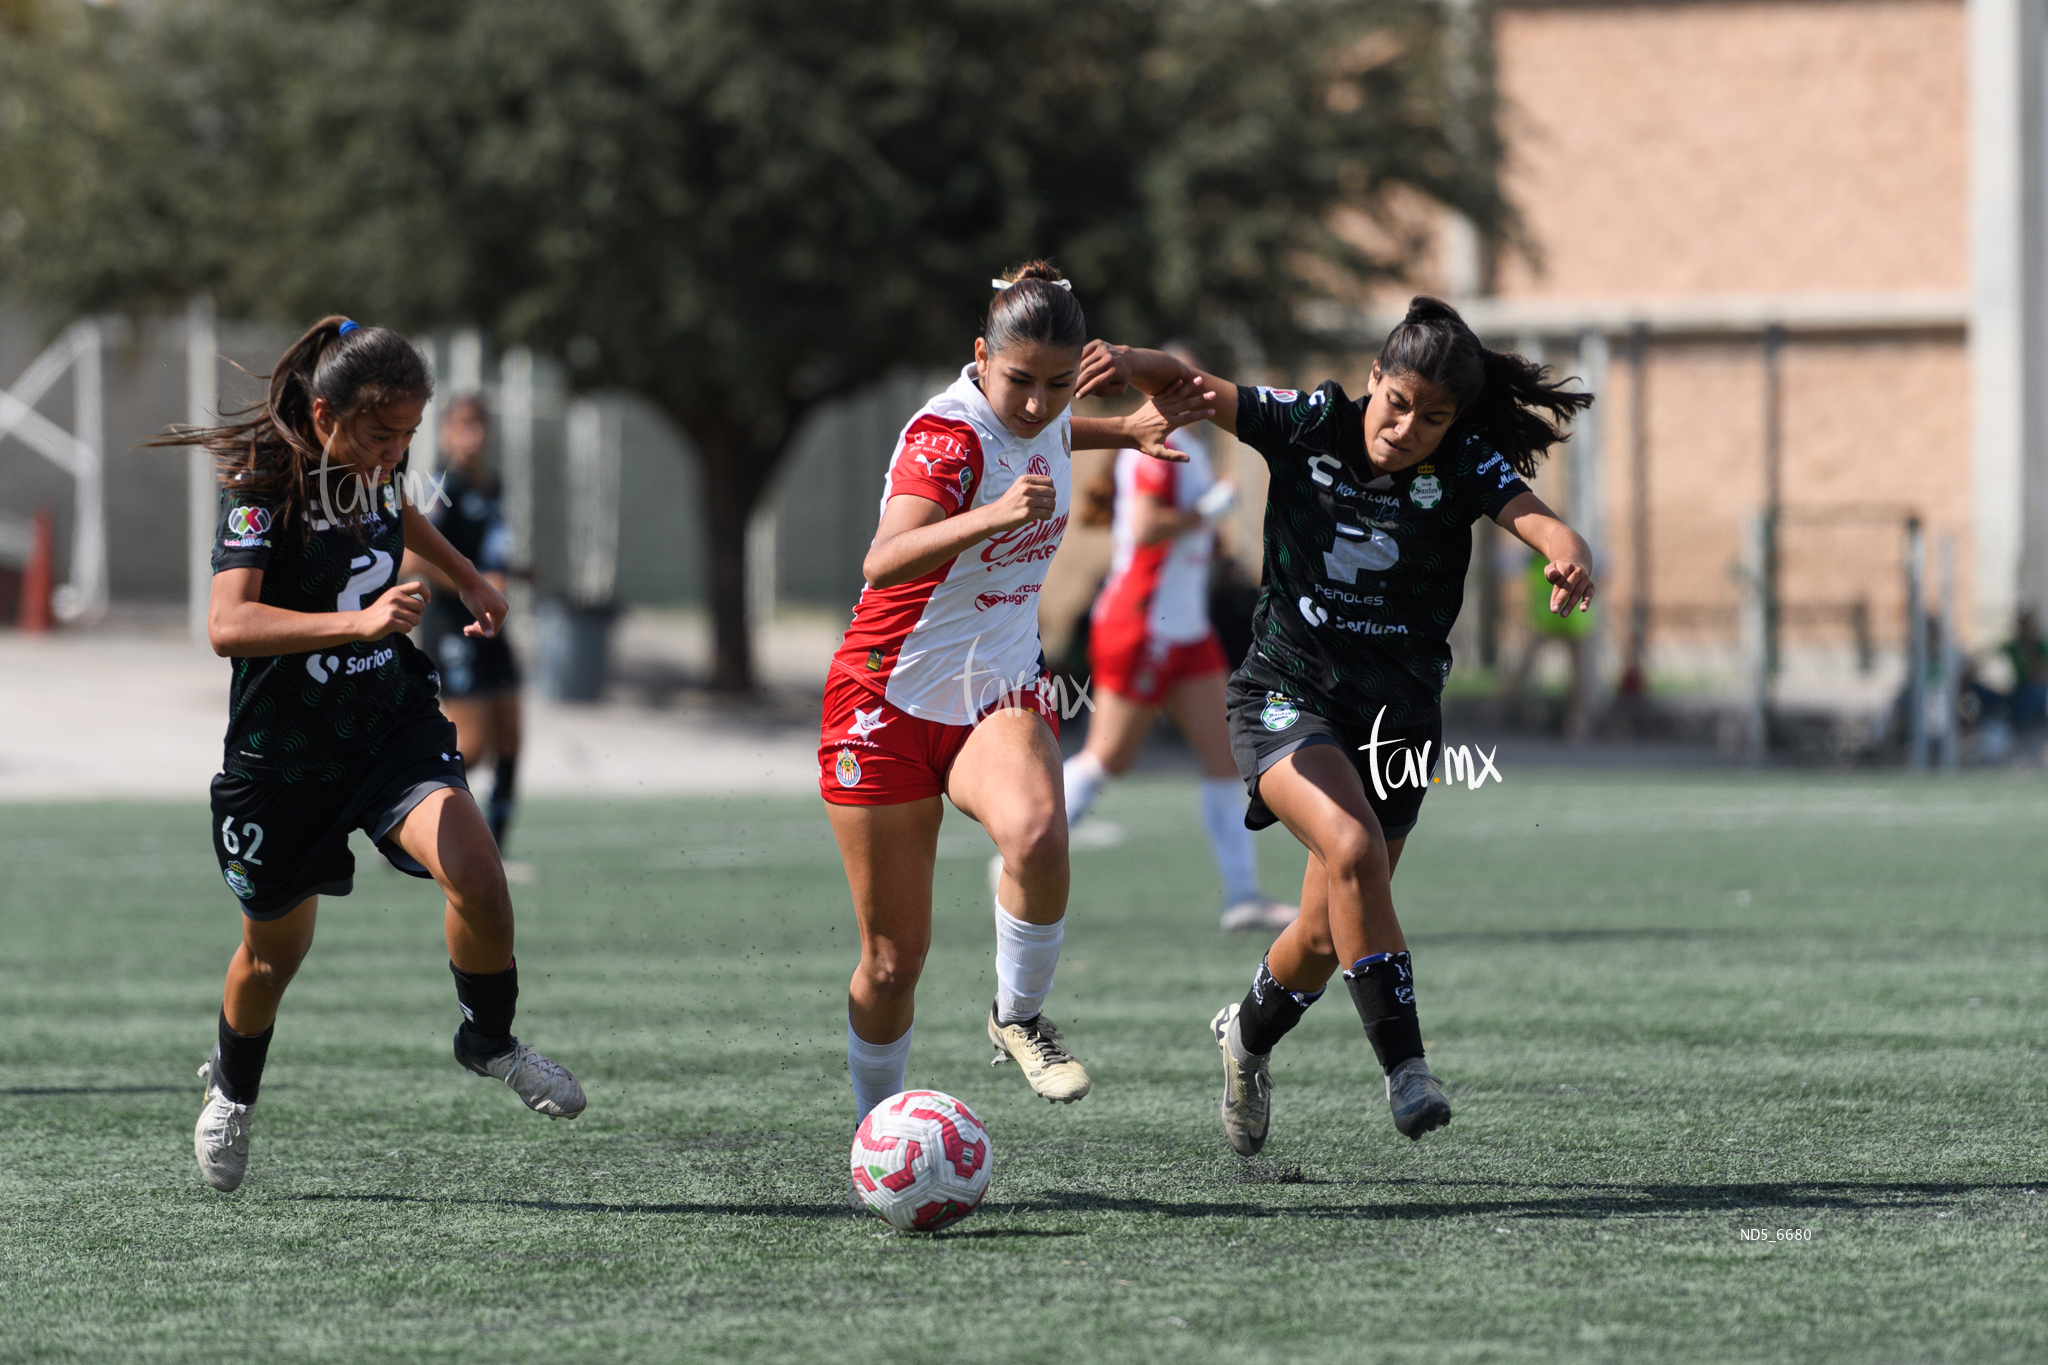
(1383,988)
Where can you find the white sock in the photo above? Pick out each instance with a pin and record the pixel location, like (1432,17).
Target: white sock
(876,1068)
(1237,857)
(1085,778)
(1026,955)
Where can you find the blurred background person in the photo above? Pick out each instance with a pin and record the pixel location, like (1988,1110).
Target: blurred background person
(479,675)
(1151,646)
(1573,633)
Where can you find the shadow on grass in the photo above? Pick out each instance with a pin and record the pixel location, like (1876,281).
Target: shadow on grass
(1569,937)
(1594,1202)
(1579,1201)
(31,1091)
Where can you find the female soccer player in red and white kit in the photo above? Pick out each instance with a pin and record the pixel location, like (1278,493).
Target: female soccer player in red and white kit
(1150,645)
(939,686)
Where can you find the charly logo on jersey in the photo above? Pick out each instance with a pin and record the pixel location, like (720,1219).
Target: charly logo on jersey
(237,878)
(1312,613)
(865,723)
(1279,711)
(847,769)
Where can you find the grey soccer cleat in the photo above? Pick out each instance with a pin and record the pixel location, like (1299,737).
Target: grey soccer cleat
(545,1086)
(1247,1086)
(1417,1099)
(221,1138)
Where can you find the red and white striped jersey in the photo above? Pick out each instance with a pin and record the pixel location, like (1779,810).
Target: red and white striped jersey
(1166,582)
(943,647)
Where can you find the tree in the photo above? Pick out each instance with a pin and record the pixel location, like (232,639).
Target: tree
(738,208)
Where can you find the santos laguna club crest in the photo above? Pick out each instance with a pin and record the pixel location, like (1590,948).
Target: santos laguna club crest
(1280,712)
(238,881)
(847,769)
(1426,491)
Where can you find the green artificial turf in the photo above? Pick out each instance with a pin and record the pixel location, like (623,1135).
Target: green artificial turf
(1669,1010)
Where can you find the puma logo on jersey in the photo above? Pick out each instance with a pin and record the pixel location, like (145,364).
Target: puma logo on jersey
(370,572)
(865,723)
(1374,552)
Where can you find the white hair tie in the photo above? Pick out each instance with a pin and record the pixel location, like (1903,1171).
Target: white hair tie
(999,285)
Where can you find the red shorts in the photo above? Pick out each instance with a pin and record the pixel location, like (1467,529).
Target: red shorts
(871,754)
(1141,669)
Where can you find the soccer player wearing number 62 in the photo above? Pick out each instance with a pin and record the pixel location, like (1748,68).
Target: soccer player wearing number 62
(1334,717)
(332,722)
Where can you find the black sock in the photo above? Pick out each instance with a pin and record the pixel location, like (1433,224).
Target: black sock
(499,815)
(1270,1010)
(488,1000)
(240,1073)
(1383,988)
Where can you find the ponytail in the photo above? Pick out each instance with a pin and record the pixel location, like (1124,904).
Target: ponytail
(270,450)
(1033,306)
(1521,409)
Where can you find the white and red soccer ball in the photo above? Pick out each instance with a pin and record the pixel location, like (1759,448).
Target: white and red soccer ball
(921,1161)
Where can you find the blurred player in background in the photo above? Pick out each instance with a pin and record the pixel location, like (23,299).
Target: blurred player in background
(1150,645)
(479,674)
(939,686)
(1335,714)
(332,722)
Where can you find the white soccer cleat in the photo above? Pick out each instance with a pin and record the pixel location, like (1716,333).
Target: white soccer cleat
(221,1138)
(1247,1086)
(1035,1045)
(1417,1099)
(545,1086)
(1246,916)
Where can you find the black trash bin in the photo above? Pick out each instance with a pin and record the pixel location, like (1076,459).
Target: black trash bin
(575,644)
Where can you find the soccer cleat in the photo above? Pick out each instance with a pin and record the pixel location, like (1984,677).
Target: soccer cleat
(221,1138)
(1417,1099)
(1247,1086)
(1258,914)
(1035,1045)
(545,1086)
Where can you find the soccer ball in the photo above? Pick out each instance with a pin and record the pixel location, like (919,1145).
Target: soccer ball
(921,1161)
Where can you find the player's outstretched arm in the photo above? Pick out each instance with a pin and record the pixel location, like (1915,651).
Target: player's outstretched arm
(1570,569)
(1109,369)
(1177,405)
(916,535)
(240,625)
(483,598)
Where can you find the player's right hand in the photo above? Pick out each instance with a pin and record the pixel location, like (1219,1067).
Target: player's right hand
(395,613)
(1030,498)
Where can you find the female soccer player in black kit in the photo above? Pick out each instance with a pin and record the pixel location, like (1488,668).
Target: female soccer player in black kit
(1334,716)
(332,722)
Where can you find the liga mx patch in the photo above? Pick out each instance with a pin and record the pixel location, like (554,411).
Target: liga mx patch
(237,878)
(847,769)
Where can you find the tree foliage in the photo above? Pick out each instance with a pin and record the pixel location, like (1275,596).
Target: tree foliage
(748,206)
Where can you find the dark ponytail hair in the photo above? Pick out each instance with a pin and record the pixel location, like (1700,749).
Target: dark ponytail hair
(270,450)
(1521,409)
(1034,307)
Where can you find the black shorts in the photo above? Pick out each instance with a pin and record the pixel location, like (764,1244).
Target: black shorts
(280,842)
(470,667)
(1266,726)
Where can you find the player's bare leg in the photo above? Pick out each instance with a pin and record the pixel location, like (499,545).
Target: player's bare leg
(1319,796)
(1008,777)
(446,835)
(258,973)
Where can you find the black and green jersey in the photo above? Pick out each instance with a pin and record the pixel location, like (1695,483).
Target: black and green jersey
(468,515)
(321,716)
(1365,572)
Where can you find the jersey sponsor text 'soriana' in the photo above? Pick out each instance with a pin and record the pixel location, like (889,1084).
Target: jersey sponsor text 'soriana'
(950,643)
(324,714)
(1365,572)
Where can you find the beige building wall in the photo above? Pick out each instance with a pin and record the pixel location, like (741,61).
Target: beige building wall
(1675,159)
